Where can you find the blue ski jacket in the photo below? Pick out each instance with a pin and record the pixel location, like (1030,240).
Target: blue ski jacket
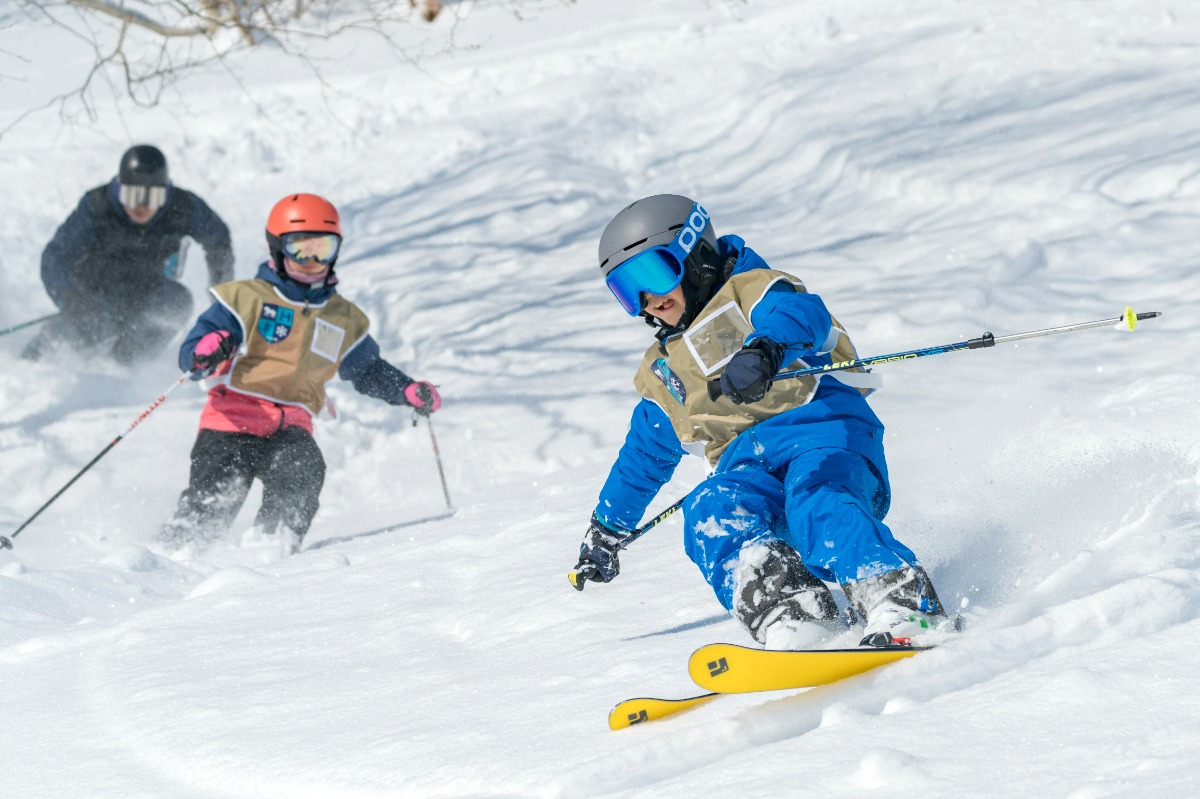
(837,416)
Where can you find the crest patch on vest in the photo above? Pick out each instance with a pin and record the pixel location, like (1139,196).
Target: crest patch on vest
(275,323)
(670,380)
(327,340)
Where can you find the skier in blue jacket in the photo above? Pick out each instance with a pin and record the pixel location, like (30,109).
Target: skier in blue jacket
(799,488)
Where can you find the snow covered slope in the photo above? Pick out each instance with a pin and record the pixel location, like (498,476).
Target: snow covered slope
(933,169)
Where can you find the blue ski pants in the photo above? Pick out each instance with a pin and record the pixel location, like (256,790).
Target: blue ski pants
(827,504)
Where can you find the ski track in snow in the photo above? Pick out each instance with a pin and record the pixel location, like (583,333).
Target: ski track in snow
(933,172)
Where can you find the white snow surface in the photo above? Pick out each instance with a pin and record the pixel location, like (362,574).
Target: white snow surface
(933,169)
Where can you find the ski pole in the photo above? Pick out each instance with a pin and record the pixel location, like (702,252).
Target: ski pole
(30,323)
(437,456)
(580,575)
(6,543)
(1129,320)
(427,397)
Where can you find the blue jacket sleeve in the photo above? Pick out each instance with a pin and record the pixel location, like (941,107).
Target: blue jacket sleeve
(66,252)
(647,460)
(217,317)
(795,319)
(213,235)
(372,375)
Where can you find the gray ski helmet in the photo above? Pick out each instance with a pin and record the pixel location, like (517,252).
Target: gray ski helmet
(143,165)
(650,222)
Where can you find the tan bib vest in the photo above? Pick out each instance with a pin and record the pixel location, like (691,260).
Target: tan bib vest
(291,350)
(674,374)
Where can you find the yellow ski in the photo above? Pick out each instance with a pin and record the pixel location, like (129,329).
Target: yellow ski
(635,711)
(731,669)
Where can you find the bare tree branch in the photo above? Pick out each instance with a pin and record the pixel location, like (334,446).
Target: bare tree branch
(146,45)
(132,17)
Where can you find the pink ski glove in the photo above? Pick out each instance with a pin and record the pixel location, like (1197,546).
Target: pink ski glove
(211,351)
(423,396)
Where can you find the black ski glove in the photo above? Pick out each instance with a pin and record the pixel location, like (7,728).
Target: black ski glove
(598,555)
(748,376)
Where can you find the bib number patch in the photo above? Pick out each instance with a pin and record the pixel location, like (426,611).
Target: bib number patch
(716,339)
(327,340)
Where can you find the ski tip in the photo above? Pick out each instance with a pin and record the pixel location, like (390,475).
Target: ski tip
(636,711)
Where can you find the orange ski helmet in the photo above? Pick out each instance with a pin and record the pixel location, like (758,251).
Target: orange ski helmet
(300,213)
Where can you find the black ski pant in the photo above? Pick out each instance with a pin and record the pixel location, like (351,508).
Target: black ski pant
(133,329)
(288,463)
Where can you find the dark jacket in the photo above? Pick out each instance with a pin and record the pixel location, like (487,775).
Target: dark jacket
(100,256)
(363,366)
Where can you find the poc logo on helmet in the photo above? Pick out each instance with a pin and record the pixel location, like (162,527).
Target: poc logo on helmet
(696,222)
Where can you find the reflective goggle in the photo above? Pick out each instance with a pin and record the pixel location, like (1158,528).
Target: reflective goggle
(152,197)
(305,247)
(657,270)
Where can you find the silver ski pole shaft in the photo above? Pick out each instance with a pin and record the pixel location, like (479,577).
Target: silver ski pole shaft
(30,323)
(1129,319)
(437,456)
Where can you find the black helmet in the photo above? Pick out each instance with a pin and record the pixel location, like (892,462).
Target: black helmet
(657,221)
(143,165)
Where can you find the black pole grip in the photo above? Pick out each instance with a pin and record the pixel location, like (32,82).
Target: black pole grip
(714,389)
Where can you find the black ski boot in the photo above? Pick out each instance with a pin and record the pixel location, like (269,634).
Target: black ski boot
(773,587)
(898,606)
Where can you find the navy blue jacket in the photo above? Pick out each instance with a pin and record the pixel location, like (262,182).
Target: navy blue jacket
(362,366)
(99,255)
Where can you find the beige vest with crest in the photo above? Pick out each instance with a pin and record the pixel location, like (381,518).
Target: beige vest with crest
(674,374)
(291,349)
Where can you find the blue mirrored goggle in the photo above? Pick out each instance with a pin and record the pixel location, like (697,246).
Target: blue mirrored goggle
(657,270)
(654,271)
